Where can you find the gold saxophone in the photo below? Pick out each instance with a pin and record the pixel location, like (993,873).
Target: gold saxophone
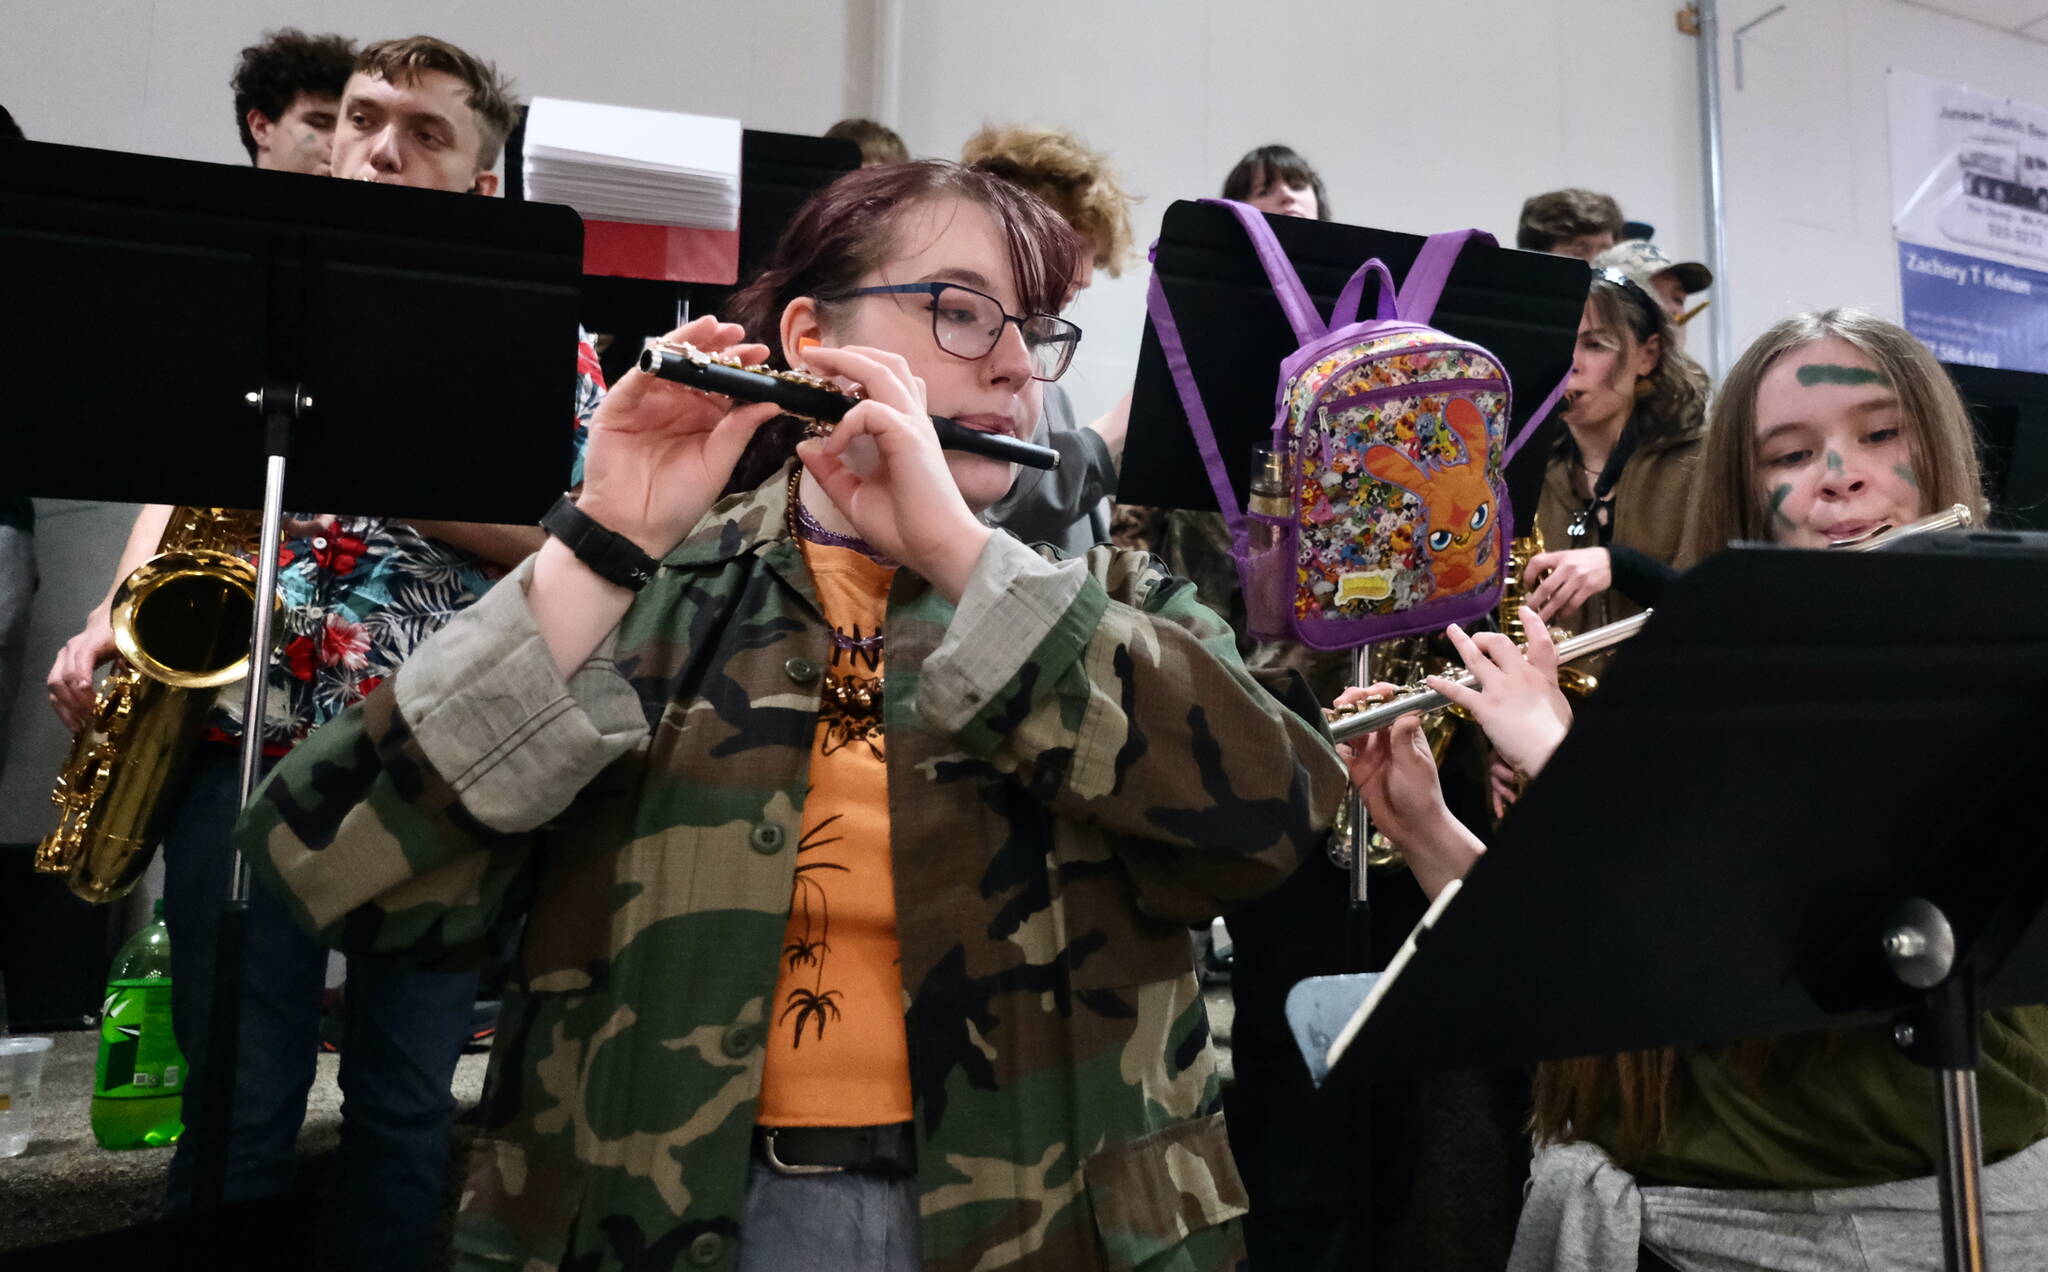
(181,622)
(1576,681)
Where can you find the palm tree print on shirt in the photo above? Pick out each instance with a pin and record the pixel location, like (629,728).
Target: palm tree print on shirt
(813,1004)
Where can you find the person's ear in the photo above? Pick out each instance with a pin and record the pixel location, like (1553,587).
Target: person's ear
(486,184)
(260,125)
(802,325)
(1648,355)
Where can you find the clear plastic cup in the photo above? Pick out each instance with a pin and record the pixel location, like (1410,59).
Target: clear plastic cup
(21,1072)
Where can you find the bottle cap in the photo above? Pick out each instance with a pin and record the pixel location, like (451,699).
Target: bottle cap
(1269,471)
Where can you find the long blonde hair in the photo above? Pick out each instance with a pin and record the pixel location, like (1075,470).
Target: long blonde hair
(1725,505)
(1632,1092)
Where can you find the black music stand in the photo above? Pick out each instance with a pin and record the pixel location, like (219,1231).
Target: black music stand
(779,172)
(2009,411)
(1524,306)
(1802,798)
(256,319)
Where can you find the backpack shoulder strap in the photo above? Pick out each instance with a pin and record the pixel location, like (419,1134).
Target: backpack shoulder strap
(1198,418)
(1294,298)
(1424,285)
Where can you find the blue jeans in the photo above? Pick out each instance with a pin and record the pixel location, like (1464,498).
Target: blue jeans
(403,1031)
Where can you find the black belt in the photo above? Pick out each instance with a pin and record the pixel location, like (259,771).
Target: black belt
(828,1150)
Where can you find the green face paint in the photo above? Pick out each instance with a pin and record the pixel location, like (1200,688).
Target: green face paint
(1826,373)
(1834,462)
(1904,472)
(1778,497)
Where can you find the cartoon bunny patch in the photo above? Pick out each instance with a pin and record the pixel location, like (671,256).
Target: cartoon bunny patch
(1456,498)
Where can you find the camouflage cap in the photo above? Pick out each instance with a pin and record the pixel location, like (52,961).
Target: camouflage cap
(1643,261)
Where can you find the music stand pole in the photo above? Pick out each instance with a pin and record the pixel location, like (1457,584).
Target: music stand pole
(1357,828)
(1940,1032)
(224,1025)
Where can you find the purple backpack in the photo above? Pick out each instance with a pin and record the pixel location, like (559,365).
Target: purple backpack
(1391,438)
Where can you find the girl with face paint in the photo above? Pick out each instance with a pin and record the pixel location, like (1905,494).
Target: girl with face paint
(1810,1151)
(1832,424)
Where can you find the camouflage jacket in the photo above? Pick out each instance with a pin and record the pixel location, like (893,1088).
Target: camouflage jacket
(1079,768)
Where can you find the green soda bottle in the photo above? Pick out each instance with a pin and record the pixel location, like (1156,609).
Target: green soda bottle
(138,1085)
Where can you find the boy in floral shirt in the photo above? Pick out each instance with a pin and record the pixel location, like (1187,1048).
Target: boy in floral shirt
(359,593)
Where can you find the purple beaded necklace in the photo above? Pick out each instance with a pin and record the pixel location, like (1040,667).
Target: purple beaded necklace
(803,525)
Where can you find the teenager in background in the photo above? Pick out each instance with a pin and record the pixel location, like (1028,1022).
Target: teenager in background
(288,96)
(1066,507)
(1580,223)
(878,143)
(1275,179)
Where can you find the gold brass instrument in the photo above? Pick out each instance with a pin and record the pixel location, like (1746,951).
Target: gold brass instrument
(1573,680)
(181,622)
(1349,722)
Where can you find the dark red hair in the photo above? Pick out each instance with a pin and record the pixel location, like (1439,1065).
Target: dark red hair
(850,227)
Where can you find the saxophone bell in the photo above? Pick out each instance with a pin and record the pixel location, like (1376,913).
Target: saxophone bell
(181,623)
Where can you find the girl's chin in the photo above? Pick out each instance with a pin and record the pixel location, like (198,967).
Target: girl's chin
(982,481)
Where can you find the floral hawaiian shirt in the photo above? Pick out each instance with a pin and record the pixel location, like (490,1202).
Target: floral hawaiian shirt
(359,594)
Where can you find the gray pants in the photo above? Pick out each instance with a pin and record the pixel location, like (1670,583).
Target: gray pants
(847,1222)
(1586,1214)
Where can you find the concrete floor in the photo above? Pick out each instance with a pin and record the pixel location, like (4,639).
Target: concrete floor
(66,1186)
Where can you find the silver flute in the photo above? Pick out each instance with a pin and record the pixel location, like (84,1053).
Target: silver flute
(1373,718)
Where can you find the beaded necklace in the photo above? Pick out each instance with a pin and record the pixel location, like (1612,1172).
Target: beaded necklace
(850,706)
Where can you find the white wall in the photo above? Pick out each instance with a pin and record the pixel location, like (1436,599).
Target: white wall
(1420,117)
(151,75)
(1808,158)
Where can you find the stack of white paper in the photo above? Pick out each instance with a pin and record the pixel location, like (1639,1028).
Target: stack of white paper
(622,163)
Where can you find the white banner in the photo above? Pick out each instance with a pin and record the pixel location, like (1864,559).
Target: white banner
(1970,212)
(1969,170)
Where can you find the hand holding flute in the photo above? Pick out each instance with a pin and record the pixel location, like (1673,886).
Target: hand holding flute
(658,455)
(1513,695)
(1510,692)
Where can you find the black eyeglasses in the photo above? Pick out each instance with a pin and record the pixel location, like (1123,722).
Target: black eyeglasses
(969,324)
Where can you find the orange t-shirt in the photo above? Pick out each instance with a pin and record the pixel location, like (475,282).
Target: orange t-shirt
(837,1053)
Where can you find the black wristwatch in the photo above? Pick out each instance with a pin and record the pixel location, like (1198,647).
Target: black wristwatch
(614,557)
